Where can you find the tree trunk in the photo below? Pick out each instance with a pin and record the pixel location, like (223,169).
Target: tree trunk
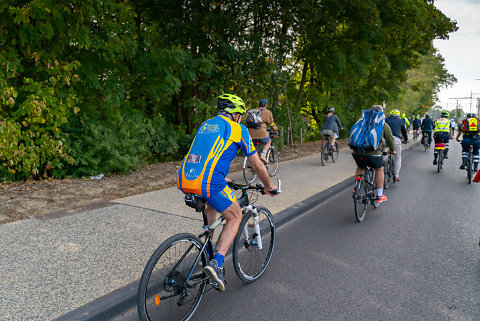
(302,85)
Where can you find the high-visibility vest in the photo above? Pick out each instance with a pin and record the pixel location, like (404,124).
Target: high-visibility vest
(442,125)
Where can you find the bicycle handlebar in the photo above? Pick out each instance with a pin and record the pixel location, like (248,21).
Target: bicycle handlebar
(258,187)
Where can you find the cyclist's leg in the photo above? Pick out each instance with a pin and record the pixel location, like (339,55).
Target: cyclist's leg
(476,152)
(226,204)
(376,162)
(267,142)
(446,139)
(397,157)
(429,138)
(465,146)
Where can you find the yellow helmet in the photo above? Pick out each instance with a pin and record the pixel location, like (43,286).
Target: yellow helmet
(231,104)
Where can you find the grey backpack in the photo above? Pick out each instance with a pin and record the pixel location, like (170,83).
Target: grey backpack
(253,119)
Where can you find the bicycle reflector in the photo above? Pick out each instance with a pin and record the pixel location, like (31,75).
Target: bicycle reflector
(440,146)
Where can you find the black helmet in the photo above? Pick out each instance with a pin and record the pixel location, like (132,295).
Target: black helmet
(262,102)
(470,115)
(330,109)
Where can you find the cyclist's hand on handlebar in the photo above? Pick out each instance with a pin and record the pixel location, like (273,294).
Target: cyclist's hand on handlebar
(272,190)
(390,152)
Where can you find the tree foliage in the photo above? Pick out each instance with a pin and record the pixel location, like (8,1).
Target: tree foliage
(105,86)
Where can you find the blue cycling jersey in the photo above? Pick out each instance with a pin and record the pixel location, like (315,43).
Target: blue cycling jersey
(207,163)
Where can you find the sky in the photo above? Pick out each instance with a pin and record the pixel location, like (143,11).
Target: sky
(461,53)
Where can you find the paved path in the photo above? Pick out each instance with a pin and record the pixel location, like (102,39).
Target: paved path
(55,265)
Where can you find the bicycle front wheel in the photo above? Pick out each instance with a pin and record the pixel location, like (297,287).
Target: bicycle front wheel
(360,200)
(172,283)
(335,153)
(253,245)
(324,154)
(388,174)
(272,161)
(248,172)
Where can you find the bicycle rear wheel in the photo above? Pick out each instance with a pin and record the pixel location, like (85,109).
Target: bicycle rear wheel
(440,161)
(163,293)
(335,153)
(272,161)
(360,200)
(469,168)
(248,172)
(324,153)
(249,260)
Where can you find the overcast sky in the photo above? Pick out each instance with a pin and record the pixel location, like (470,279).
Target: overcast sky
(461,52)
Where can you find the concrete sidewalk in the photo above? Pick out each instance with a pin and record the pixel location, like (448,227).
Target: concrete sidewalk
(59,266)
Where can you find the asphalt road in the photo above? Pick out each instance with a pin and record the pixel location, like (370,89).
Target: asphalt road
(416,257)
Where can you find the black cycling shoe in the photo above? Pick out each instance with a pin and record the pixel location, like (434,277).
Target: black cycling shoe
(215,274)
(445,156)
(464,163)
(435,162)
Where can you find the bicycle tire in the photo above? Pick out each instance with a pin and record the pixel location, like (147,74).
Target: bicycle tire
(160,280)
(440,161)
(324,154)
(335,153)
(272,161)
(250,262)
(360,200)
(387,174)
(469,168)
(248,173)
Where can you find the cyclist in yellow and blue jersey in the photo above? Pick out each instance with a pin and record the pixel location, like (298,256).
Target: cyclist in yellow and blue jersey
(442,133)
(204,170)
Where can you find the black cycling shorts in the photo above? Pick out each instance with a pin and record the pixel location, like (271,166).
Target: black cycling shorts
(374,161)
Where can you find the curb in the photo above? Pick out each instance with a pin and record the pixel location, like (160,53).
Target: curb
(117,302)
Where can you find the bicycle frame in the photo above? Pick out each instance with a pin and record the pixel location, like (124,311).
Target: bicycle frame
(208,229)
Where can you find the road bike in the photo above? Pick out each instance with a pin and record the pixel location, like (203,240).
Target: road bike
(415,134)
(173,282)
(425,141)
(469,166)
(364,194)
(328,151)
(272,160)
(389,170)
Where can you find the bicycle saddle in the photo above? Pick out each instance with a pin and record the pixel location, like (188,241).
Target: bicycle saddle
(195,201)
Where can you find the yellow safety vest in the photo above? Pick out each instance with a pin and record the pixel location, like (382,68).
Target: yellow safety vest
(442,125)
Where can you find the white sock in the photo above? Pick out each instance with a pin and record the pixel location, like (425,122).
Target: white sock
(379,192)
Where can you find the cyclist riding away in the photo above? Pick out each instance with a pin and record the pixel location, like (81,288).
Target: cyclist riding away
(374,159)
(416,124)
(331,123)
(204,169)
(470,129)
(427,127)
(261,133)
(399,131)
(407,122)
(443,132)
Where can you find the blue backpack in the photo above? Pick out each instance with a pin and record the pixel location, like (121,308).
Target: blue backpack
(366,134)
